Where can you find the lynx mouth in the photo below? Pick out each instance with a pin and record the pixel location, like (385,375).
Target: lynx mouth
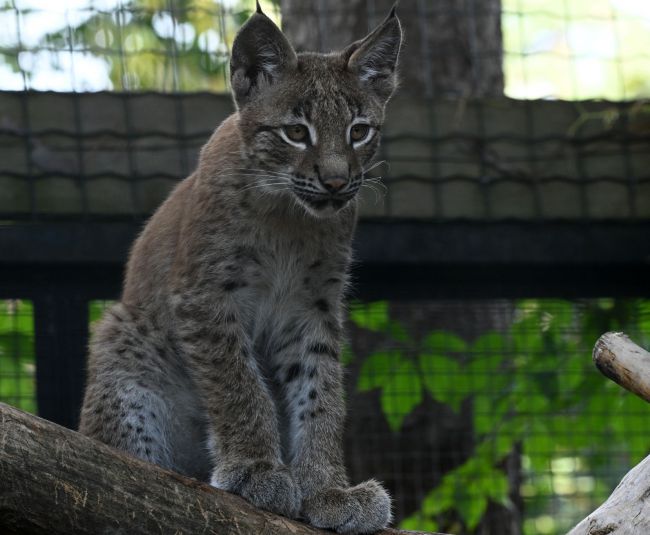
(322,204)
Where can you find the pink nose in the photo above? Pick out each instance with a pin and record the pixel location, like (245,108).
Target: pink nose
(334,184)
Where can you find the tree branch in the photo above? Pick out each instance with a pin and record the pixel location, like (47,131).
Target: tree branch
(624,362)
(56,481)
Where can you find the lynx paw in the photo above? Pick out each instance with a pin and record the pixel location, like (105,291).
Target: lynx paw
(265,485)
(361,509)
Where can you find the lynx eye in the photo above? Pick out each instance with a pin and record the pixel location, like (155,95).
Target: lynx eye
(359,132)
(297,133)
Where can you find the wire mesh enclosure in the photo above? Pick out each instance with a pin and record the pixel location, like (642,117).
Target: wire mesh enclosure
(115,156)
(464,401)
(478,159)
(483,416)
(593,48)
(17,359)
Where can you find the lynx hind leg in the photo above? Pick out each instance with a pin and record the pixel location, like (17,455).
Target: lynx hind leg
(124,405)
(365,508)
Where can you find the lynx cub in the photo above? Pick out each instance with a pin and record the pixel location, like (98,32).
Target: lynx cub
(221,360)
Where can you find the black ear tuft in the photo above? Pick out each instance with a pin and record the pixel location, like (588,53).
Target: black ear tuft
(258,8)
(374,59)
(260,55)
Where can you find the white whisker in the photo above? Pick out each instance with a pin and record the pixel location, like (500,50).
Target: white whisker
(374,165)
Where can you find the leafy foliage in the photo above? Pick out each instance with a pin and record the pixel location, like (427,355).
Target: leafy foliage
(533,386)
(17,369)
(142,44)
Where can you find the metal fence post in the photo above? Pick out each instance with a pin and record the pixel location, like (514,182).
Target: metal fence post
(61,334)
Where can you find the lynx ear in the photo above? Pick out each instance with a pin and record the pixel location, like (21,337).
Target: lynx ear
(260,55)
(374,58)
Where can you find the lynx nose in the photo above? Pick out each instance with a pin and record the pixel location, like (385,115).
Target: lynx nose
(334,184)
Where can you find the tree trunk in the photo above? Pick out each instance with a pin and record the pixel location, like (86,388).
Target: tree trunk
(56,481)
(627,510)
(451,47)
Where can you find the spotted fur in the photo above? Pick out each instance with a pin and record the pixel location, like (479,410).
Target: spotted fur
(221,360)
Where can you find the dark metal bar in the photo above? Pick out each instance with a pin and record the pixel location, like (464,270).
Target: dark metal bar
(61,334)
(493,259)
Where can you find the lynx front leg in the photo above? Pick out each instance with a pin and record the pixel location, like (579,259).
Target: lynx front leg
(314,398)
(243,434)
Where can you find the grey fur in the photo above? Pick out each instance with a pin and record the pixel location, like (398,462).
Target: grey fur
(221,359)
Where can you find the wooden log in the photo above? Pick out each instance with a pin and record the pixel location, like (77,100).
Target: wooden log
(56,481)
(624,362)
(627,510)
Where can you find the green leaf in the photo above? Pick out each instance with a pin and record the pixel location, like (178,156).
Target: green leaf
(397,332)
(441,498)
(17,370)
(371,316)
(444,342)
(532,404)
(375,317)
(96,309)
(540,444)
(400,383)
(489,411)
(443,378)
(417,522)
(472,508)
(401,395)
(486,375)
(498,488)
(377,370)
(16,316)
(490,343)
(468,489)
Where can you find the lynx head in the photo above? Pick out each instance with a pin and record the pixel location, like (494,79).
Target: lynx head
(311,122)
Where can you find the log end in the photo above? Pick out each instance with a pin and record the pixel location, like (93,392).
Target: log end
(621,360)
(604,358)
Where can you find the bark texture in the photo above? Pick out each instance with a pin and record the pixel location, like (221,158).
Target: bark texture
(626,511)
(451,48)
(56,481)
